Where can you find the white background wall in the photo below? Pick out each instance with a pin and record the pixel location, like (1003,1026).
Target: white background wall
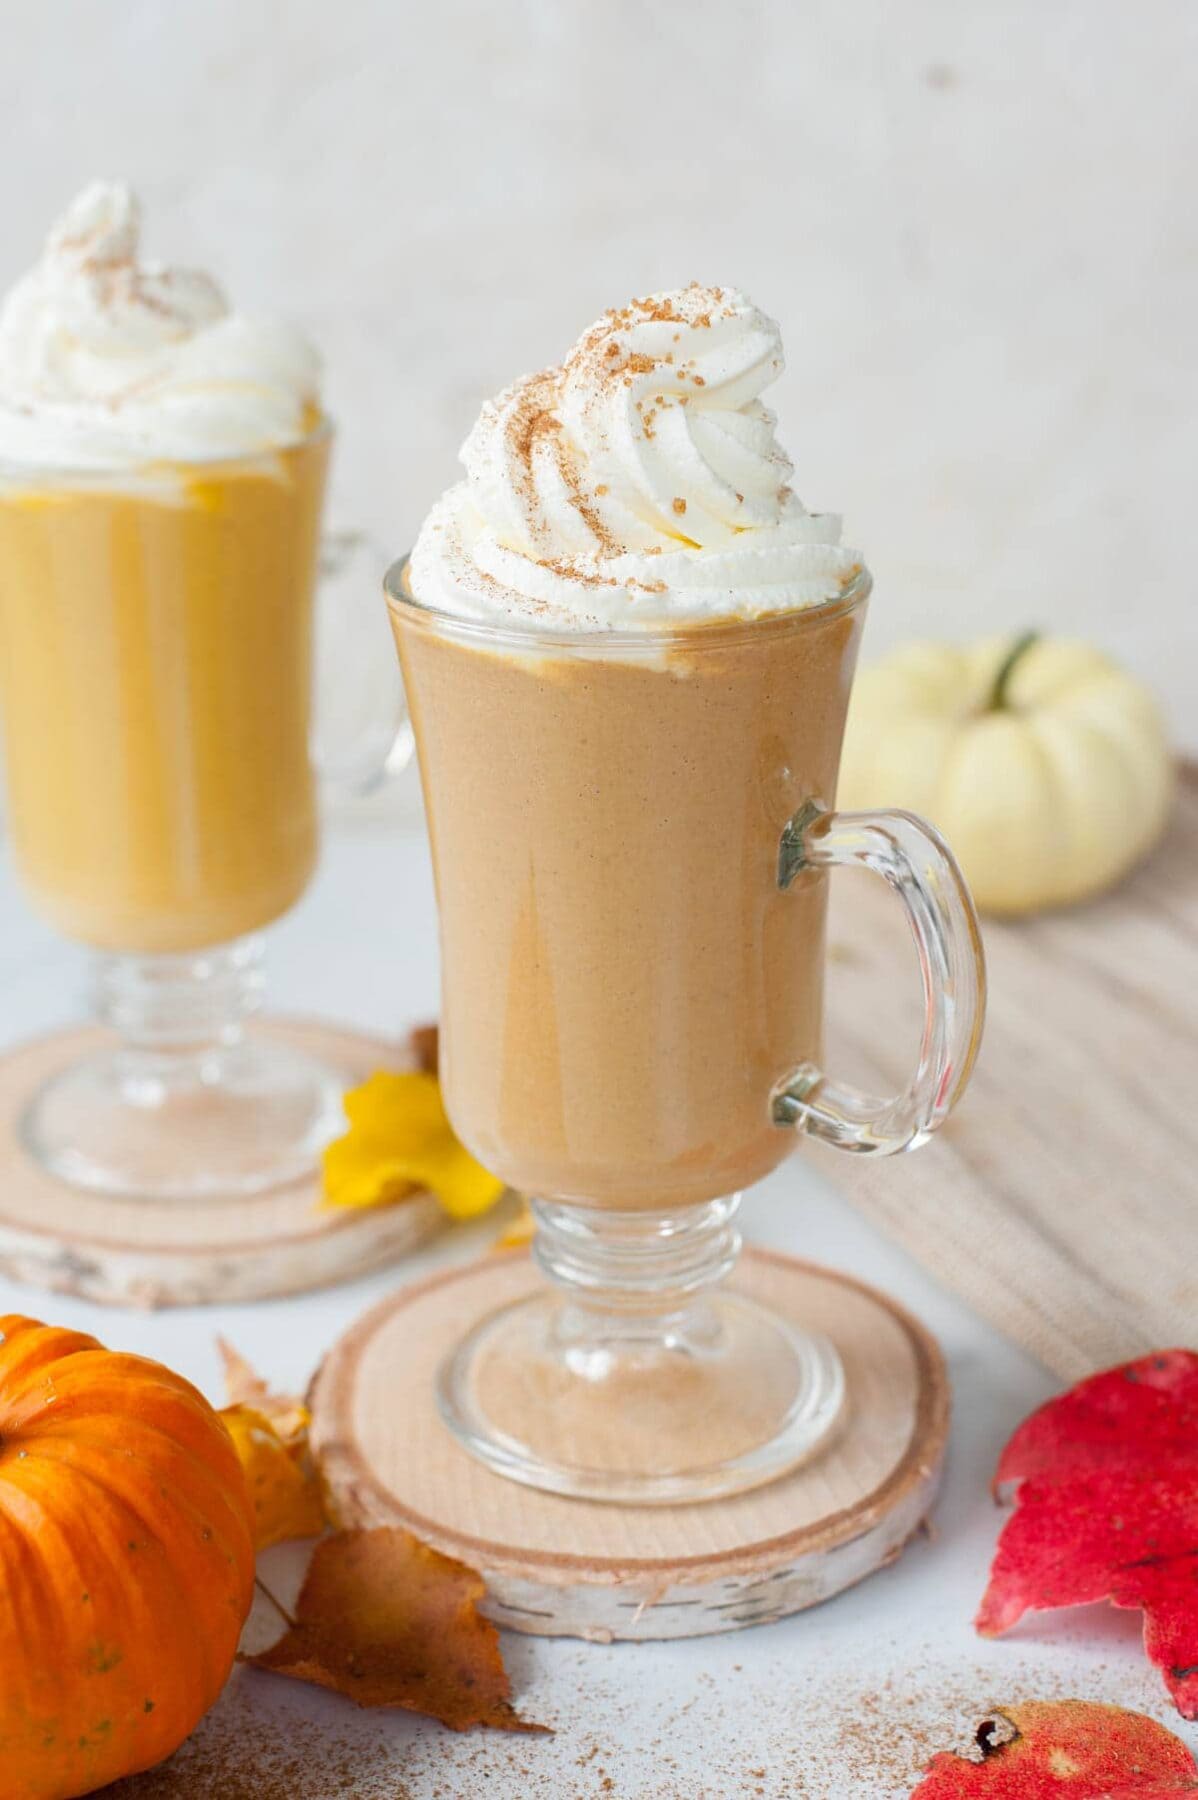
(976,220)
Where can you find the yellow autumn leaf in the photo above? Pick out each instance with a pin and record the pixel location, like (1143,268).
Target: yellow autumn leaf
(400,1140)
(283,1485)
(286,1414)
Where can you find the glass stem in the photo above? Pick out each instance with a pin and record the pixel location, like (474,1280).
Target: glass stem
(178,1016)
(643,1276)
(186,1104)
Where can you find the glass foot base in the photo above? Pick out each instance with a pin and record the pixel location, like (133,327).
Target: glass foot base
(230,1120)
(725,1398)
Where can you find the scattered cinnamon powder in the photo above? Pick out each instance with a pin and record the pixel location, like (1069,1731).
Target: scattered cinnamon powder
(577,570)
(243,1752)
(818,1739)
(570,571)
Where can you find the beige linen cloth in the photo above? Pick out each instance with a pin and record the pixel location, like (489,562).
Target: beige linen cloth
(1062,1199)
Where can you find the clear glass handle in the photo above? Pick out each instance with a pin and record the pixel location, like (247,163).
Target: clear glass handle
(919,866)
(361,736)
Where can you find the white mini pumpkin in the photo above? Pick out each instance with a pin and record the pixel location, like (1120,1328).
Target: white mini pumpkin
(1045,766)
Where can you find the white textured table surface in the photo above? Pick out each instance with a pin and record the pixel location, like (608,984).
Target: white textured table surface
(842,1701)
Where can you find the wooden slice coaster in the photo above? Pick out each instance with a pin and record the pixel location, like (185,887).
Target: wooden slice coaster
(178,1252)
(563,1567)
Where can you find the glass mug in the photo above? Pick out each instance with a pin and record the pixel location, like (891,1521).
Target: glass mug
(156,655)
(630,837)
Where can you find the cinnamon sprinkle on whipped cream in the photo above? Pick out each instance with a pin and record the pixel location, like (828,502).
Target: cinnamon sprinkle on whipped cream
(108,361)
(648,441)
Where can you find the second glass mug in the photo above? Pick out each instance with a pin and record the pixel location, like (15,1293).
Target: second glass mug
(630,836)
(157,636)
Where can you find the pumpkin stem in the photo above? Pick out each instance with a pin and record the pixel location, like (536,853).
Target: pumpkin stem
(1016,654)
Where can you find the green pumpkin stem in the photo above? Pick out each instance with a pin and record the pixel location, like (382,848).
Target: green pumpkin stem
(1015,655)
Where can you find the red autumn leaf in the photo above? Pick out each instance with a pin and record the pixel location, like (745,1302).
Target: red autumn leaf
(1065,1750)
(387,1621)
(1107,1509)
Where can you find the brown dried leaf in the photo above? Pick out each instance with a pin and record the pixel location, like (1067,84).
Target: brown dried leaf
(423,1042)
(387,1621)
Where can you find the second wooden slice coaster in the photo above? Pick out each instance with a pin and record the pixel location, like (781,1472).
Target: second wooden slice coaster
(145,1252)
(564,1567)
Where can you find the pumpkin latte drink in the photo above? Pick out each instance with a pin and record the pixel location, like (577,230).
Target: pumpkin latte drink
(162,464)
(628,650)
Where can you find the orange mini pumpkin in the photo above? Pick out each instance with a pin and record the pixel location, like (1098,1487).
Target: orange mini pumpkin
(126,1561)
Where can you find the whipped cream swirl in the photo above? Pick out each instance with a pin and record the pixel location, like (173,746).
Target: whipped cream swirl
(640,482)
(107,362)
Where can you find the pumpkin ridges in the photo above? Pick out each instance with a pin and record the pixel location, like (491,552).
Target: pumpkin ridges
(24,1609)
(227,1543)
(117,1452)
(1097,790)
(147,1612)
(190,1428)
(214,1595)
(85,1410)
(1046,676)
(137,1622)
(184,1480)
(98,1380)
(990,814)
(1126,727)
(918,738)
(27,1345)
(206,1457)
(75,1425)
(60,1704)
